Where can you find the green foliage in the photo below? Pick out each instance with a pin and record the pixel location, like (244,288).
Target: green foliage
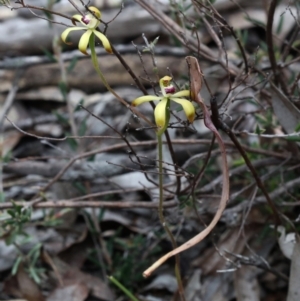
(52,219)
(72,142)
(49,55)
(63,89)
(61,118)
(124,253)
(150,46)
(126,267)
(19,216)
(5,2)
(13,227)
(72,65)
(7,157)
(258,130)
(280,24)
(256,22)
(83,127)
(266,120)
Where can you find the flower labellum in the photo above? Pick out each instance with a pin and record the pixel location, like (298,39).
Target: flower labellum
(85,19)
(170,90)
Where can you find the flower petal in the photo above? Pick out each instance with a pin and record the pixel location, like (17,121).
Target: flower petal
(187,107)
(182,93)
(77,18)
(66,32)
(160,112)
(96,11)
(84,41)
(104,41)
(143,99)
(94,23)
(163,83)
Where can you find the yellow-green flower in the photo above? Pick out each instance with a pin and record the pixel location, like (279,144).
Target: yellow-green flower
(168,94)
(90,23)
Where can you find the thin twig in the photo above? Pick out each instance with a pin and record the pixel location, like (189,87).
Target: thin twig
(90,204)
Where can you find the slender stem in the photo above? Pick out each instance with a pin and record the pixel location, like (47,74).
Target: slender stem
(106,84)
(160,209)
(160,179)
(123,288)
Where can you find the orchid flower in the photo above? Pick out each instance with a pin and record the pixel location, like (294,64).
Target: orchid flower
(168,94)
(90,23)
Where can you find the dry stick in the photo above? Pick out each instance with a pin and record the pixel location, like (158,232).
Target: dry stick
(186,38)
(4,110)
(25,61)
(149,143)
(224,127)
(230,28)
(43,9)
(154,142)
(90,204)
(289,45)
(196,84)
(198,176)
(269,38)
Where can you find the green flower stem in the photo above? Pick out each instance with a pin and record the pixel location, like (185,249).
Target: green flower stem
(103,79)
(161,200)
(96,65)
(122,288)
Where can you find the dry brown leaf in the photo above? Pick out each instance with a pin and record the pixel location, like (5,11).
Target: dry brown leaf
(286,112)
(246,284)
(72,275)
(294,287)
(194,287)
(73,292)
(211,260)
(22,286)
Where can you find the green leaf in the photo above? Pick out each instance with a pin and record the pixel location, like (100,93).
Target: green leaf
(48,16)
(255,22)
(61,118)
(63,89)
(72,142)
(82,128)
(258,130)
(80,187)
(297,128)
(296,43)
(2,197)
(50,56)
(72,65)
(7,157)
(4,2)
(280,24)
(78,107)
(34,275)
(11,212)
(16,265)
(293,138)
(35,249)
